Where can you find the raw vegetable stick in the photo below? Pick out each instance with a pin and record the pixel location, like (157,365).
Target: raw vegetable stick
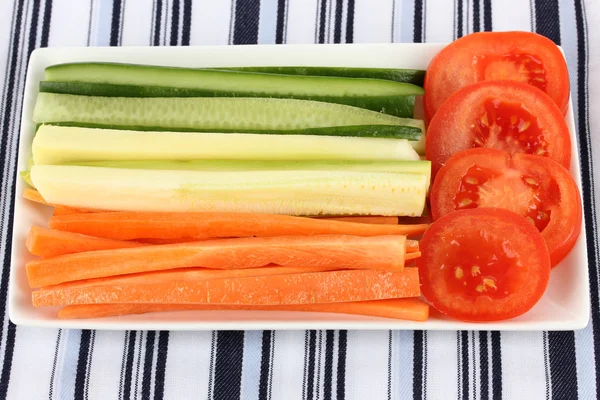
(159,225)
(309,288)
(331,251)
(183,274)
(365,220)
(411,309)
(50,243)
(35,196)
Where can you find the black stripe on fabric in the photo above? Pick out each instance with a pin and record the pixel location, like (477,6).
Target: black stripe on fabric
(161,365)
(272,361)
(174,23)
(310,371)
(318,373)
(245,28)
(54,361)
(459,19)
(138,365)
(35,16)
(350,22)
(123,359)
(322,20)
(418,22)
(46,23)
(476,20)
(89,31)
(82,363)
(341,365)
(586,177)
(122,19)
(464,352)
(547,19)
(425,357)
(148,360)
(458,365)
(157,23)
(474,381)
(89,367)
(418,365)
(546,367)
(9,349)
(228,365)
(187,23)
(389,367)
(337,27)
(265,365)
(496,366)
(211,368)
(305,364)
(281,11)
(328,374)
(115,23)
(487,15)
(563,365)
(483,366)
(129,366)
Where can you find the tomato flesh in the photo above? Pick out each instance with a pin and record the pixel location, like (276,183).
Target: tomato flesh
(534,187)
(483,265)
(521,67)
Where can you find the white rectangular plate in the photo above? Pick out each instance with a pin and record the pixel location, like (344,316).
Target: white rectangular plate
(565,305)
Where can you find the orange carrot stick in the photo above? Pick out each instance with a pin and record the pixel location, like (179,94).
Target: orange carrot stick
(49,243)
(411,309)
(309,288)
(332,251)
(66,210)
(413,255)
(183,274)
(377,220)
(160,225)
(412,246)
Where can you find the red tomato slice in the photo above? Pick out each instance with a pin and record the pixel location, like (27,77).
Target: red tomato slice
(483,264)
(517,56)
(535,187)
(505,115)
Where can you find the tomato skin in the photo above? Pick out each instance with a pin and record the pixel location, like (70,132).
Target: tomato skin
(518,280)
(555,188)
(455,125)
(521,56)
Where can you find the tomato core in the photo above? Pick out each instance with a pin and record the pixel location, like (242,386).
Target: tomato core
(509,189)
(517,67)
(509,127)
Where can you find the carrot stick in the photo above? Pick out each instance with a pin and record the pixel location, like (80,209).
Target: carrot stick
(407,309)
(160,225)
(34,195)
(413,255)
(309,288)
(377,220)
(412,246)
(183,274)
(49,243)
(331,251)
(66,210)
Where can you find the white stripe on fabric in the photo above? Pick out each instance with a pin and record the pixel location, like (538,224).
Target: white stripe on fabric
(104,372)
(402,363)
(523,361)
(373,21)
(70,23)
(66,367)
(137,23)
(267,22)
(286,383)
(442,366)
(301,21)
(440,22)
(251,364)
(32,364)
(100,21)
(367,356)
(210,22)
(511,15)
(188,363)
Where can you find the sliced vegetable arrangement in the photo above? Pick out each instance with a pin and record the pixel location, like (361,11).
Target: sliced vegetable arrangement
(279,188)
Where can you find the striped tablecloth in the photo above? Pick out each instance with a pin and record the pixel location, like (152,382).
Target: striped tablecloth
(65,364)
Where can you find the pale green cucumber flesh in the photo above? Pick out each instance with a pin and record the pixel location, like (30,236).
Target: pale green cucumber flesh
(398,105)
(277,192)
(207,113)
(220,80)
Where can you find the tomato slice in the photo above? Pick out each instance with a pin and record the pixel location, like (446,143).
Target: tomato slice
(534,187)
(483,264)
(517,56)
(505,115)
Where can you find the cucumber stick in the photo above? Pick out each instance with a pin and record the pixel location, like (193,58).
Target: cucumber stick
(210,113)
(400,106)
(226,81)
(60,144)
(414,76)
(278,192)
(404,167)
